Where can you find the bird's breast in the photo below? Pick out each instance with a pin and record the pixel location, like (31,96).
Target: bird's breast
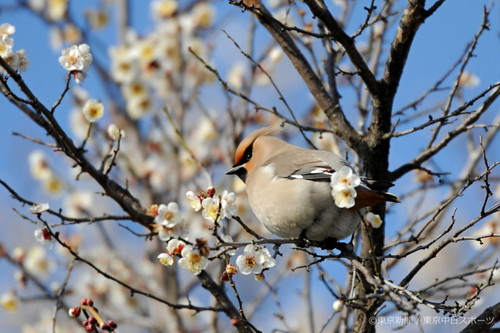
(286,207)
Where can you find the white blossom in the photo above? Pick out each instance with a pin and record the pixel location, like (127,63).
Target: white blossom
(76,58)
(489,228)
(236,75)
(192,261)
(43,236)
(162,9)
(53,184)
(344,177)
(175,246)
(166,259)
(344,197)
(469,80)
(374,220)
(228,206)
(343,183)
(56,9)
(115,133)
(194,200)
(202,15)
(6,45)
(38,263)
(7,29)
(254,260)
(168,215)
(93,110)
(211,208)
(9,301)
(39,207)
(165,233)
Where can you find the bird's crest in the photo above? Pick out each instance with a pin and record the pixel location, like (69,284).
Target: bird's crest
(245,146)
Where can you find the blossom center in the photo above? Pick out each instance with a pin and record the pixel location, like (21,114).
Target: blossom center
(169,216)
(194,259)
(250,261)
(72,59)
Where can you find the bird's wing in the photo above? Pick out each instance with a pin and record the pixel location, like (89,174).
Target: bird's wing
(319,166)
(307,164)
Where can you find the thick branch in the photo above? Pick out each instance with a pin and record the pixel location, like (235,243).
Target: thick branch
(411,20)
(319,9)
(340,124)
(119,194)
(220,295)
(485,321)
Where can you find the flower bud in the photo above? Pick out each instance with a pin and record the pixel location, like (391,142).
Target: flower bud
(259,277)
(211,191)
(74,312)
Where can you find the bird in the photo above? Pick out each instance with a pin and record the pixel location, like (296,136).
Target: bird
(288,188)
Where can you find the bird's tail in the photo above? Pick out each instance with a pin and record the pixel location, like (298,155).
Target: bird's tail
(370,192)
(389,196)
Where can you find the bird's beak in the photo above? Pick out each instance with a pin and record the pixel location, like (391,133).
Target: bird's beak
(234,170)
(238,170)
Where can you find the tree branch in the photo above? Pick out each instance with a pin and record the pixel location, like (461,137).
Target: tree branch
(340,125)
(484,321)
(428,153)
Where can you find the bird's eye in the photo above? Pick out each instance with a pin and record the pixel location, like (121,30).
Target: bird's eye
(248,154)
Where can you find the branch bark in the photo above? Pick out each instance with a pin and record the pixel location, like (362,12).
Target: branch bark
(46,119)
(484,321)
(340,125)
(229,309)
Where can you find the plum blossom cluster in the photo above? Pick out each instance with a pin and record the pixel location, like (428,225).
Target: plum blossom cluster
(192,259)
(343,183)
(214,207)
(93,320)
(77,60)
(16,59)
(153,66)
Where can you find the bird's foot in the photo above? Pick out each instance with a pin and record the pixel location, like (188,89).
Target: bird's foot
(302,241)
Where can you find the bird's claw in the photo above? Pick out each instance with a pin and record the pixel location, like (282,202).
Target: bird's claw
(302,240)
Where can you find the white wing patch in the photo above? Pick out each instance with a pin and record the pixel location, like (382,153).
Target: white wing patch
(318,174)
(321,170)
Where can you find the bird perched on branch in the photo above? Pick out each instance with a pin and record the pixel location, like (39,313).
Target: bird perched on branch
(297,192)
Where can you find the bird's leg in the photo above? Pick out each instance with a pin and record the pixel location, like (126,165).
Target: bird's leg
(302,240)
